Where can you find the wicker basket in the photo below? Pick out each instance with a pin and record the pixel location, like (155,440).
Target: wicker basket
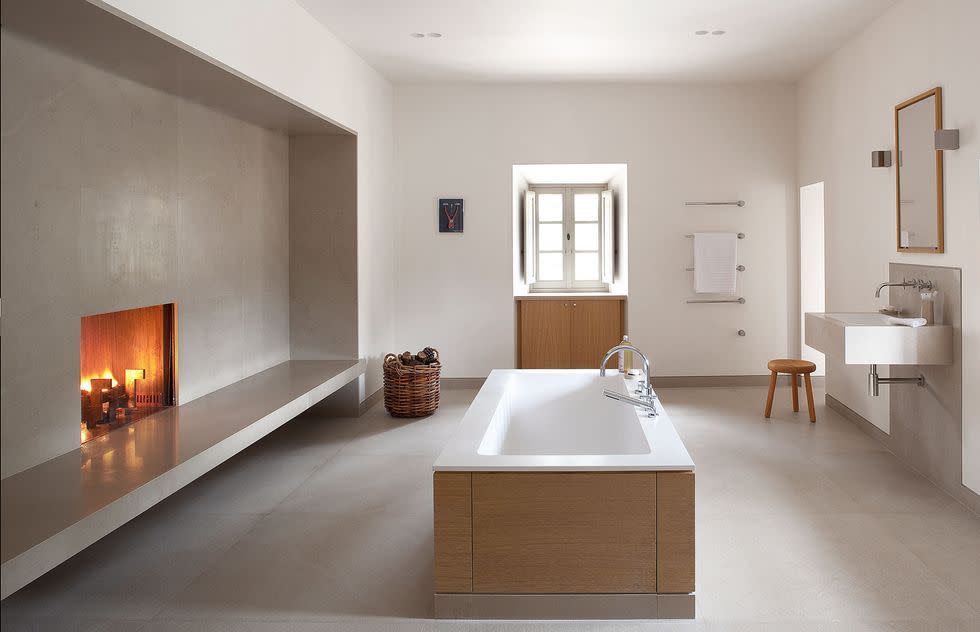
(411,391)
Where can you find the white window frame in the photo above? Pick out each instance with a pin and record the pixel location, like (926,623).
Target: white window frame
(604,225)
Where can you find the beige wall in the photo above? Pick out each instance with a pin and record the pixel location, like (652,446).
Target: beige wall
(681,143)
(323,247)
(115,196)
(178,184)
(278,44)
(846,111)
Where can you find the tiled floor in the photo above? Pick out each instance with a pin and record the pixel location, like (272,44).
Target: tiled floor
(326,525)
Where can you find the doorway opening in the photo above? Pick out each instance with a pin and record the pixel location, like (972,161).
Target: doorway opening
(812,279)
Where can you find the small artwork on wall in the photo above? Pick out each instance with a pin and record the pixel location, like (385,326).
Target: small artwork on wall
(450,215)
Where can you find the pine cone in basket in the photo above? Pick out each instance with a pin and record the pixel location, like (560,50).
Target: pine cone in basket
(406,358)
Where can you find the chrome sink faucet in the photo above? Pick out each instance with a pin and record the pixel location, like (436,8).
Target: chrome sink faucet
(916,283)
(645,391)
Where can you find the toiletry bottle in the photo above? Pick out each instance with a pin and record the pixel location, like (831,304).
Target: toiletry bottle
(928,306)
(625,357)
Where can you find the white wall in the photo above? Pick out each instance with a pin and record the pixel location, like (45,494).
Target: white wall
(846,111)
(455,292)
(278,44)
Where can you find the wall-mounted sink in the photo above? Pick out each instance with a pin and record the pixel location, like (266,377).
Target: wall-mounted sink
(869,338)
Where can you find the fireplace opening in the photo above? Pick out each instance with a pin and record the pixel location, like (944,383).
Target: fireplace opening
(128,367)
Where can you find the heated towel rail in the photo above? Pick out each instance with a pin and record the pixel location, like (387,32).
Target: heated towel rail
(740,300)
(735,203)
(739,235)
(740,268)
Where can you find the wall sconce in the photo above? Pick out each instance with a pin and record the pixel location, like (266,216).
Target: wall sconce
(881,158)
(947,139)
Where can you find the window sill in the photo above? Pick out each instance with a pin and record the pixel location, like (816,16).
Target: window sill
(543,296)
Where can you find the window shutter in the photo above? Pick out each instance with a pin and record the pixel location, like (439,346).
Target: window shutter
(530,245)
(607,236)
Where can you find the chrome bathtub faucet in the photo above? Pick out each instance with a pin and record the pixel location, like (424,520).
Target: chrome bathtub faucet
(648,403)
(644,390)
(646,397)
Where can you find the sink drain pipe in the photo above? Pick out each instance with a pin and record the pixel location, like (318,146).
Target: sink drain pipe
(874,381)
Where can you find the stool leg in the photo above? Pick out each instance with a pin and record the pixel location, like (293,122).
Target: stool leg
(796,392)
(772,391)
(809,397)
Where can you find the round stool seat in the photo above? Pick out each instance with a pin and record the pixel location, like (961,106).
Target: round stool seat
(794,368)
(787,365)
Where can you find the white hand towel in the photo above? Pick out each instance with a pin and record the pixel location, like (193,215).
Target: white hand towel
(907,322)
(715,256)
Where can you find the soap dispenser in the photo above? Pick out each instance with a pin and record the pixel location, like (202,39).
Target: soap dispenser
(927,308)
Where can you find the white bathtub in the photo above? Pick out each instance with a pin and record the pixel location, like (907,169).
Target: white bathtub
(559,420)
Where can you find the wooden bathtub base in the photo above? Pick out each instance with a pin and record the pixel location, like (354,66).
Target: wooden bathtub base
(529,545)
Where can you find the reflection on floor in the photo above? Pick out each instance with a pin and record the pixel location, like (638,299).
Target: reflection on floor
(326,525)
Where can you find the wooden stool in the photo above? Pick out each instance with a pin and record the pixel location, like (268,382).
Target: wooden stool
(794,368)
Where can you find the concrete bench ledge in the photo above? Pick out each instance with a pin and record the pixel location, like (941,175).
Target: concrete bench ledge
(52,511)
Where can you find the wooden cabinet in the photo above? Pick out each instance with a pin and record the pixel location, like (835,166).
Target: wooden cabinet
(546,330)
(568,333)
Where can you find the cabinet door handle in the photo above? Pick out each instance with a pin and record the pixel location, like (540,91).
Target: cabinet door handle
(574,304)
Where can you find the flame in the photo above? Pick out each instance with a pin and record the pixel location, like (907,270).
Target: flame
(106,374)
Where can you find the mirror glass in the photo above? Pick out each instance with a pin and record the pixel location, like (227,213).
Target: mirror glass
(919,174)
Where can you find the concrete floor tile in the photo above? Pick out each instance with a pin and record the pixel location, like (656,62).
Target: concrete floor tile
(947,543)
(320,566)
(248,483)
(880,483)
(133,572)
(814,567)
(351,485)
(326,525)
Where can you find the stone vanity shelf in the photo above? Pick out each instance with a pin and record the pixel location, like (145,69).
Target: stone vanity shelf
(56,509)
(868,338)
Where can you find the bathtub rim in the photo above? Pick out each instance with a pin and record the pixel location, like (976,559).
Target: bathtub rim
(461,453)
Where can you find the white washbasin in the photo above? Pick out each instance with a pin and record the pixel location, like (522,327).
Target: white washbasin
(869,338)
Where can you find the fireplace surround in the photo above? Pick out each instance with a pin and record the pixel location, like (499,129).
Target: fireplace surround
(128,367)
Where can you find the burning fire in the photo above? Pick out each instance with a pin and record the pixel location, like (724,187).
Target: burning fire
(106,375)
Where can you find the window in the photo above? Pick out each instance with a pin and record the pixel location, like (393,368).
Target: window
(568,238)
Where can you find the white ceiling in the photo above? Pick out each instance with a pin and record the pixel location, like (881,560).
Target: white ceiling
(594,40)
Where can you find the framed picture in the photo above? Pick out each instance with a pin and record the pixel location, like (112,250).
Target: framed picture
(450,215)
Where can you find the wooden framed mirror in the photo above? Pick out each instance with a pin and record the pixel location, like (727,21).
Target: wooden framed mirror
(919,176)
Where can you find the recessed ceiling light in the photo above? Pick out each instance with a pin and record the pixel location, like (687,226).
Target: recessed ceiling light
(717,32)
(416,34)
(700,32)
(434,34)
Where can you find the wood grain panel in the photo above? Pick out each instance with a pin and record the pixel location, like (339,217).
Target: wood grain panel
(545,334)
(129,339)
(597,326)
(564,532)
(675,532)
(453,530)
